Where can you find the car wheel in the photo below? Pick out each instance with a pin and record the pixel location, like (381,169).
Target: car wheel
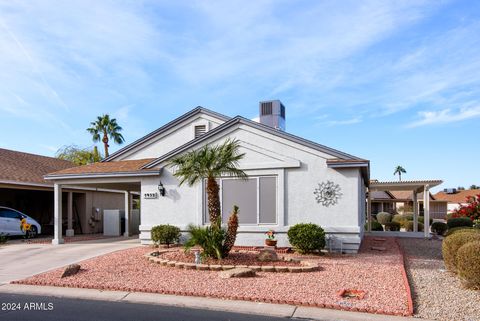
(33,232)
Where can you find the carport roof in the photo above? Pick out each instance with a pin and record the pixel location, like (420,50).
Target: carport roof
(112,167)
(28,169)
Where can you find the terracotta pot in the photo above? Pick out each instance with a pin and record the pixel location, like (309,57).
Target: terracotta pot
(269,242)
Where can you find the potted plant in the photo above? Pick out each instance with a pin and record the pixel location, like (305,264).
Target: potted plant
(270,240)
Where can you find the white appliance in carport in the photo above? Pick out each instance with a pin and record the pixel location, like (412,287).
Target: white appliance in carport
(112,222)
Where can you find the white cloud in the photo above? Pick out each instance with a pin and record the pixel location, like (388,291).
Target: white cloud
(445,116)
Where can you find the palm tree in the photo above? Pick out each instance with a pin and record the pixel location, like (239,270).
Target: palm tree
(399,170)
(106,128)
(210,162)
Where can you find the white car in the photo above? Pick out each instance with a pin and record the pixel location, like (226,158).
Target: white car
(10,223)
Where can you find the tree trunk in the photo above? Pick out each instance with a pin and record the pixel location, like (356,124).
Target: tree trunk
(231,231)
(213,202)
(105,143)
(400,177)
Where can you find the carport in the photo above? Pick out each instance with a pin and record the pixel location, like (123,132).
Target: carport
(125,176)
(417,186)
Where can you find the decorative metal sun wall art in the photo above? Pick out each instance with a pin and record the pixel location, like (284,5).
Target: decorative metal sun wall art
(327,193)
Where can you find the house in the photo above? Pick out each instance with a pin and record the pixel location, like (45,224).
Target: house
(23,187)
(291,179)
(402,201)
(455,197)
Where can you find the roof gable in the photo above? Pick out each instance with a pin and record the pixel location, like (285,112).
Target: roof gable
(243,121)
(458,197)
(151,136)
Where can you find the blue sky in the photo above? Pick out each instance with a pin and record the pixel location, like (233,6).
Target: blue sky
(396,82)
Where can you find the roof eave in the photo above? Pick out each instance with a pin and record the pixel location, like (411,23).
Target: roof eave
(102,175)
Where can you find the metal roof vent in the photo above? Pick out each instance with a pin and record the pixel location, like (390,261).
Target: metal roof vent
(272,113)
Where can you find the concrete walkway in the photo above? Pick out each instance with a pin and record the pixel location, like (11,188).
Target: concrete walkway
(275,310)
(19,261)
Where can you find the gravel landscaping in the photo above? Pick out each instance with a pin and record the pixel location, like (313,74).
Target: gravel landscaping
(378,273)
(437,294)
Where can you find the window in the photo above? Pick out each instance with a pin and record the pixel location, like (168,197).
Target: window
(10,214)
(256,197)
(200,130)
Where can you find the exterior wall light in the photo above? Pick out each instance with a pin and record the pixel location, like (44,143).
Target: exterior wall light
(161,188)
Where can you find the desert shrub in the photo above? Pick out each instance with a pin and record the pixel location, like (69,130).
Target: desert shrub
(459,221)
(421,219)
(165,234)
(409,226)
(209,238)
(439,228)
(402,219)
(306,237)
(454,230)
(384,217)
(476,223)
(392,226)
(468,264)
(375,226)
(452,243)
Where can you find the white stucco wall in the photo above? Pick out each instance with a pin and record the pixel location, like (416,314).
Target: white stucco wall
(171,139)
(298,169)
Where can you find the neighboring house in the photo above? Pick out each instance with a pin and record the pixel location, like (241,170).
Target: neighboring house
(455,197)
(22,187)
(394,201)
(284,172)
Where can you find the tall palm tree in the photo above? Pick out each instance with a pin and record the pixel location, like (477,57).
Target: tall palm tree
(106,128)
(399,170)
(210,162)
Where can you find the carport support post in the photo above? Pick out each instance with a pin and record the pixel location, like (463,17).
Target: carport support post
(128,202)
(415,211)
(426,211)
(57,207)
(369,210)
(69,231)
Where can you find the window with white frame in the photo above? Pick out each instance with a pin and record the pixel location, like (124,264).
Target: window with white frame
(256,198)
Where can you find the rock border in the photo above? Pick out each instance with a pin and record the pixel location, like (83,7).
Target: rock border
(306,266)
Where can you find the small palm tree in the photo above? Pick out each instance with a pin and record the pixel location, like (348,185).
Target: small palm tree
(106,128)
(399,170)
(210,162)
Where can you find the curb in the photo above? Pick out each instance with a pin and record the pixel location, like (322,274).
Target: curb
(405,279)
(235,306)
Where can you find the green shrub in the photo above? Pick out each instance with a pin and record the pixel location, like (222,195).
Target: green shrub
(409,226)
(392,226)
(459,221)
(375,226)
(421,219)
(452,243)
(468,264)
(384,217)
(209,238)
(439,228)
(454,230)
(306,237)
(165,234)
(402,219)
(449,216)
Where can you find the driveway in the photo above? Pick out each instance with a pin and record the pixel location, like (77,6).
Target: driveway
(19,261)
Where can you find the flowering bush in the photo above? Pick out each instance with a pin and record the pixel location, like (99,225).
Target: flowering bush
(471,209)
(270,234)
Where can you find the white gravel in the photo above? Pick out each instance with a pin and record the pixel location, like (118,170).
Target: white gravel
(437,294)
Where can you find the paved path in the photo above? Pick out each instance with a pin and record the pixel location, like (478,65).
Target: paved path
(18,261)
(126,299)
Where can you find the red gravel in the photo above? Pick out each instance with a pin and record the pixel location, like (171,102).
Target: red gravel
(232,259)
(379,274)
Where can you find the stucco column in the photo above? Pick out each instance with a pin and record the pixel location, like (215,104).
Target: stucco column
(415,211)
(369,210)
(57,221)
(69,231)
(128,202)
(426,211)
